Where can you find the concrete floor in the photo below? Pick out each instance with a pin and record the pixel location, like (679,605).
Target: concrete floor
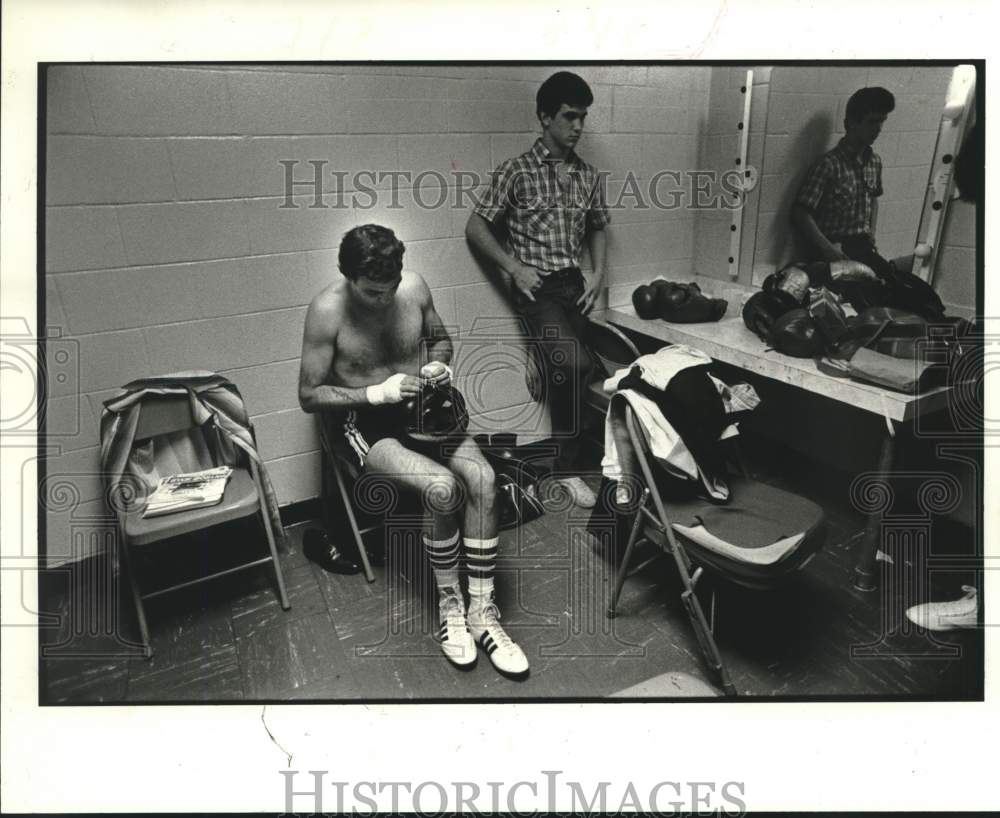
(347,640)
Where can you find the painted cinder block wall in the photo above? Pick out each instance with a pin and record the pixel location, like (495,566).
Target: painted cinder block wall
(167,247)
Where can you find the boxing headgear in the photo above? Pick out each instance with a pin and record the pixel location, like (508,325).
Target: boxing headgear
(437,413)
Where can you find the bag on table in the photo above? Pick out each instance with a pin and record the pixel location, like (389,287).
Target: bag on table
(892,373)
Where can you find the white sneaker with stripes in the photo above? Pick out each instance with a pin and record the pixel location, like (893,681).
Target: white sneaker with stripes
(504,653)
(454,637)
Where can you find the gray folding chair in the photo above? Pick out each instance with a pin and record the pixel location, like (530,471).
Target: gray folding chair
(244,497)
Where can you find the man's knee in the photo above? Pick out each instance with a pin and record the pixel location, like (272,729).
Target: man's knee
(478,477)
(443,493)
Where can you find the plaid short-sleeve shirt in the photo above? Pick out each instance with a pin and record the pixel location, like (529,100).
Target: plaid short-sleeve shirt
(840,192)
(547,219)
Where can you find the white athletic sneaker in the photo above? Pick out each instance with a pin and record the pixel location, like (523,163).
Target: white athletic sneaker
(579,491)
(946,616)
(506,656)
(454,636)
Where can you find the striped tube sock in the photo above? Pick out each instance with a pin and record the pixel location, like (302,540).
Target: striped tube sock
(444,560)
(481,558)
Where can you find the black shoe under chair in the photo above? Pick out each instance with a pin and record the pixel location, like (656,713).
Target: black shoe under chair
(317,547)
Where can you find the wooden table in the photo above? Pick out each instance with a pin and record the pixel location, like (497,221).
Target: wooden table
(732,343)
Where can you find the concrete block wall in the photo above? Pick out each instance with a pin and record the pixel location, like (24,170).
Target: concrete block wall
(805,118)
(167,246)
(668,114)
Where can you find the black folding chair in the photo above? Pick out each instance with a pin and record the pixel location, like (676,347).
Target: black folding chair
(333,466)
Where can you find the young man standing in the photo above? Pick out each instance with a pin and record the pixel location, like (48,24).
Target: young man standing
(551,202)
(361,362)
(837,205)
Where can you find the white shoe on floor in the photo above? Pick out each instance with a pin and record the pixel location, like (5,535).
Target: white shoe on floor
(504,653)
(454,636)
(946,616)
(577,491)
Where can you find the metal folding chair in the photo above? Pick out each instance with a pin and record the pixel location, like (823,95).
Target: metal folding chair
(333,467)
(613,350)
(764,557)
(244,497)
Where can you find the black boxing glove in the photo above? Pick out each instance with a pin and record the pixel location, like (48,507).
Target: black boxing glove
(795,333)
(644,301)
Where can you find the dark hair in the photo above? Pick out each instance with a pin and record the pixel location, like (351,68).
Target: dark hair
(868,101)
(562,88)
(372,251)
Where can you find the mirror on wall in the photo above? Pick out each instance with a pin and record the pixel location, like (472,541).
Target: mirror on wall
(798,115)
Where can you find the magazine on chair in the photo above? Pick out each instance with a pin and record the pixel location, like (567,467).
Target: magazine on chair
(181,492)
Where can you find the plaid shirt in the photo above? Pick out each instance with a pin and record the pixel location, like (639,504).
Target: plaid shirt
(840,192)
(547,219)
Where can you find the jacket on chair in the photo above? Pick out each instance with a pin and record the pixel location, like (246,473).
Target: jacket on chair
(213,398)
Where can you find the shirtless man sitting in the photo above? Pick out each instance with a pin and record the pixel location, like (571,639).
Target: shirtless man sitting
(361,362)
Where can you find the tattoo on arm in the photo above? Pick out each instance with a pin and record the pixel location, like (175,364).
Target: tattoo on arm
(318,353)
(437,342)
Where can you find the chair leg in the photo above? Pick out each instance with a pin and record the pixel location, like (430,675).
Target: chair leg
(704,632)
(349,509)
(282,594)
(140,609)
(326,495)
(683,563)
(712,604)
(633,537)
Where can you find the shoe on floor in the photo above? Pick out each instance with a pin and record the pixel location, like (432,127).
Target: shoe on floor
(317,547)
(578,492)
(504,653)
(946,616)
(454,636)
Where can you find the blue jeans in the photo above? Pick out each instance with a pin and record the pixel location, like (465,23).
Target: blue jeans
(557,330)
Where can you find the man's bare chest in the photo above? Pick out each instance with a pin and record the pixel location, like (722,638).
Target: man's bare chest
(368,343)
